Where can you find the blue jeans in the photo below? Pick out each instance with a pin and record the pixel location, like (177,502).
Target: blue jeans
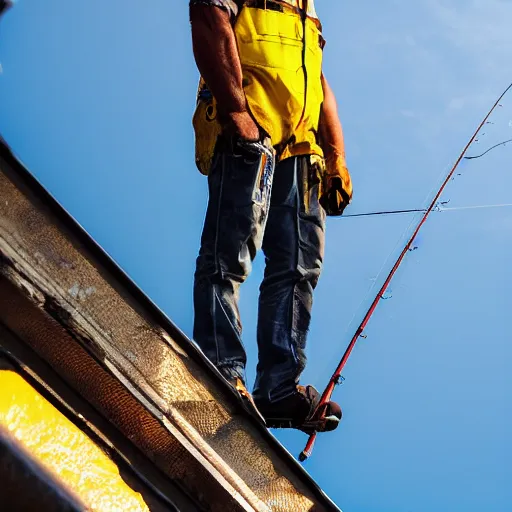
(254,205)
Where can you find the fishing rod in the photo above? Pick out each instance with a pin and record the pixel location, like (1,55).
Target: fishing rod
(336,377)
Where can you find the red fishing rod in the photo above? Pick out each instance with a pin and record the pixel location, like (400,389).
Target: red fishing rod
(336,377)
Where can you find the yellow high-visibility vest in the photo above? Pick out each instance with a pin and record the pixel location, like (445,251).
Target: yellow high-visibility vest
(280,50)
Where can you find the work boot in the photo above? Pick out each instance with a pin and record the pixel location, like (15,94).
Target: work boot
(247,400)
(297,411)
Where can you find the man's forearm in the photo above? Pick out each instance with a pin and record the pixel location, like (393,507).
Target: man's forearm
(331,132)
(338,186)
(216,54)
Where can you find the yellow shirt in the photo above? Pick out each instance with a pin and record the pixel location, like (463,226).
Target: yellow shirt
(280,52)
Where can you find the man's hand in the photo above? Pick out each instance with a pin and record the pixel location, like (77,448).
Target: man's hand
(242,125)
(335,198)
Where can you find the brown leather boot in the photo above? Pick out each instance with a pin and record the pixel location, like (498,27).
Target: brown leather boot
(297,411)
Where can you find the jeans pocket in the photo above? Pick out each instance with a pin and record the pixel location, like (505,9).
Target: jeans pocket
(251,172)
(264,179)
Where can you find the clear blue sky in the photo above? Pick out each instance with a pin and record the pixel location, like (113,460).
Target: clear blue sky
(96,98)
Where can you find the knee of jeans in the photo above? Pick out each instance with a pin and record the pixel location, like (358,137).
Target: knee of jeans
(227,264)
(217,275)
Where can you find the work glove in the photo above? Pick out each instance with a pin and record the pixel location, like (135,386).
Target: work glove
(337,188)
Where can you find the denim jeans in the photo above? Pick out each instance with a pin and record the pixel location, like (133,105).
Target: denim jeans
(254,204)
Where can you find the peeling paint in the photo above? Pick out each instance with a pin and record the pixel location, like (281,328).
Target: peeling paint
(81,293)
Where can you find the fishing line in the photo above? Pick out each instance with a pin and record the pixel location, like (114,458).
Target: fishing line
(437,208)
(476,207)
(392,212)
(490,149)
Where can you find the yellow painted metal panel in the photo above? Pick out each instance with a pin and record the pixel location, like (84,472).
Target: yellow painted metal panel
(63,448)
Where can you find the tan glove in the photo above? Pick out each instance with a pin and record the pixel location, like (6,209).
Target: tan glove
(337,187)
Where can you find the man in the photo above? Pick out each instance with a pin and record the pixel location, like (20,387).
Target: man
(269,138)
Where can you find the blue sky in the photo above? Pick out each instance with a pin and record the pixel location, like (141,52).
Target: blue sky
(96,99)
